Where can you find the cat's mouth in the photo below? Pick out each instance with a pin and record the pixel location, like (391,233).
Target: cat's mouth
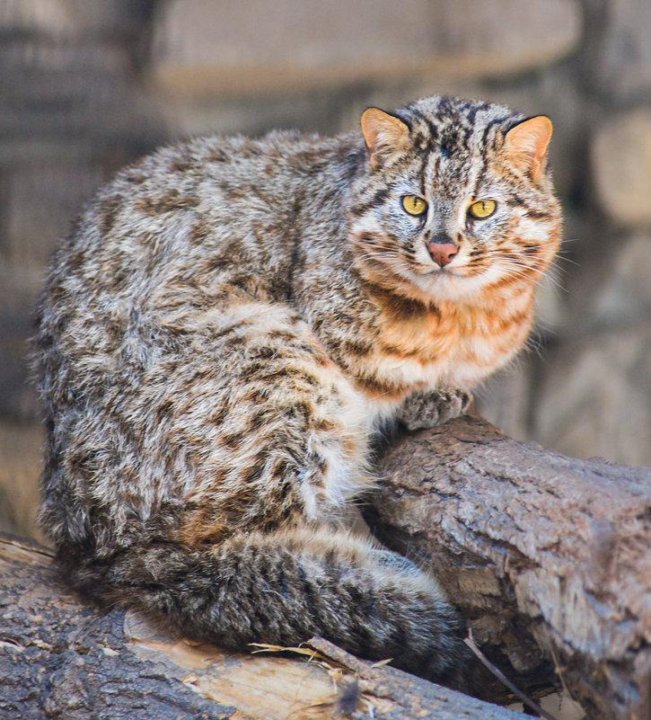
(447,271)
(443,272)
(454,283)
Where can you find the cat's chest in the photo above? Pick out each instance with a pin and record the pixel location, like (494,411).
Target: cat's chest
(452,346)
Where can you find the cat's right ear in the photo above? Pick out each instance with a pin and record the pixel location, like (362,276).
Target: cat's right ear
(385,135)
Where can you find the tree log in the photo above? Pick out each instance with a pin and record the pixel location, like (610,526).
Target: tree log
(61,659)
(548,557)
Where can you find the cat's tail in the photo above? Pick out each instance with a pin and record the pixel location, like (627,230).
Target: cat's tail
(284,588)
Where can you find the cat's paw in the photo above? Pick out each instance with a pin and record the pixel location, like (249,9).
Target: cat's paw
(429,409)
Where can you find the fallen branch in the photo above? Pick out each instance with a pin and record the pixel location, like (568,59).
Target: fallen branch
(547,556)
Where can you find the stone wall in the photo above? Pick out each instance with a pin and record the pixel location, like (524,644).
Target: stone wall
(88,85)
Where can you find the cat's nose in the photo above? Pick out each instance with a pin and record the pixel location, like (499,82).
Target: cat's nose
(442,249)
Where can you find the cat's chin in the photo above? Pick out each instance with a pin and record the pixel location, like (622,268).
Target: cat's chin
(450,284)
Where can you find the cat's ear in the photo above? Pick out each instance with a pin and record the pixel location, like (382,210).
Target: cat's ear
(527,143)
(385,135)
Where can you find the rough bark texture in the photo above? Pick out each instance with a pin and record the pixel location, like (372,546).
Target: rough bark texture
(61,659)
(549,557)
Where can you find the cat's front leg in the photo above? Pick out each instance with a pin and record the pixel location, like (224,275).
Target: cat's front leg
(434,407)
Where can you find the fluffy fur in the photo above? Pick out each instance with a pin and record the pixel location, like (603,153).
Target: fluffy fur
(227,326)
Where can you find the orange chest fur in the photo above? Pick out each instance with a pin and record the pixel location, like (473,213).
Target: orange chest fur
(452,345)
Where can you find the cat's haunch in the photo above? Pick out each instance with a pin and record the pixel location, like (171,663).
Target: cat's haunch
(227,327)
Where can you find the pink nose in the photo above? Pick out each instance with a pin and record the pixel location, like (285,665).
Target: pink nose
(442,253)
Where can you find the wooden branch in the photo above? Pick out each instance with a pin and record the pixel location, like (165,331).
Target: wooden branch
(548,557)
(61,659)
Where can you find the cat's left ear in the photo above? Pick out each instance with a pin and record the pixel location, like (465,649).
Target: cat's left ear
(385,135)
(528,142)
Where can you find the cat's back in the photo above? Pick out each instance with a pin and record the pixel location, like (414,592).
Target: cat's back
(133,328)
(182,235)
(199,214)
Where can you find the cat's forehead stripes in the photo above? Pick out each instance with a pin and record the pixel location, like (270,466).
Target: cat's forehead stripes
(455,137)
(442,127)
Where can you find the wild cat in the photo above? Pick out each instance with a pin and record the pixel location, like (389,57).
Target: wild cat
(227,327)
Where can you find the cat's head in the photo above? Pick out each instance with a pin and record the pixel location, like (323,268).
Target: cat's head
(456,199)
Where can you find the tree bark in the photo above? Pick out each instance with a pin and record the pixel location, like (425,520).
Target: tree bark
(61,659)
(548,557)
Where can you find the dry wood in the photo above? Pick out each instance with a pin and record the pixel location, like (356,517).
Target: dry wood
(61,659)
(549,557)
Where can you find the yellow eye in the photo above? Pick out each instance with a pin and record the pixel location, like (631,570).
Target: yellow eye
(482,209)
(414,205)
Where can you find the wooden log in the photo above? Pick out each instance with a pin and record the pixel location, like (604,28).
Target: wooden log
(62,659)
(547,556)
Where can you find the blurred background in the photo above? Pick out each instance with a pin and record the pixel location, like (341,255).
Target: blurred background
(89,85)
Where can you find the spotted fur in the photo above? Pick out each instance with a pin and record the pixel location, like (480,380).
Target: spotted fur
(223,332)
